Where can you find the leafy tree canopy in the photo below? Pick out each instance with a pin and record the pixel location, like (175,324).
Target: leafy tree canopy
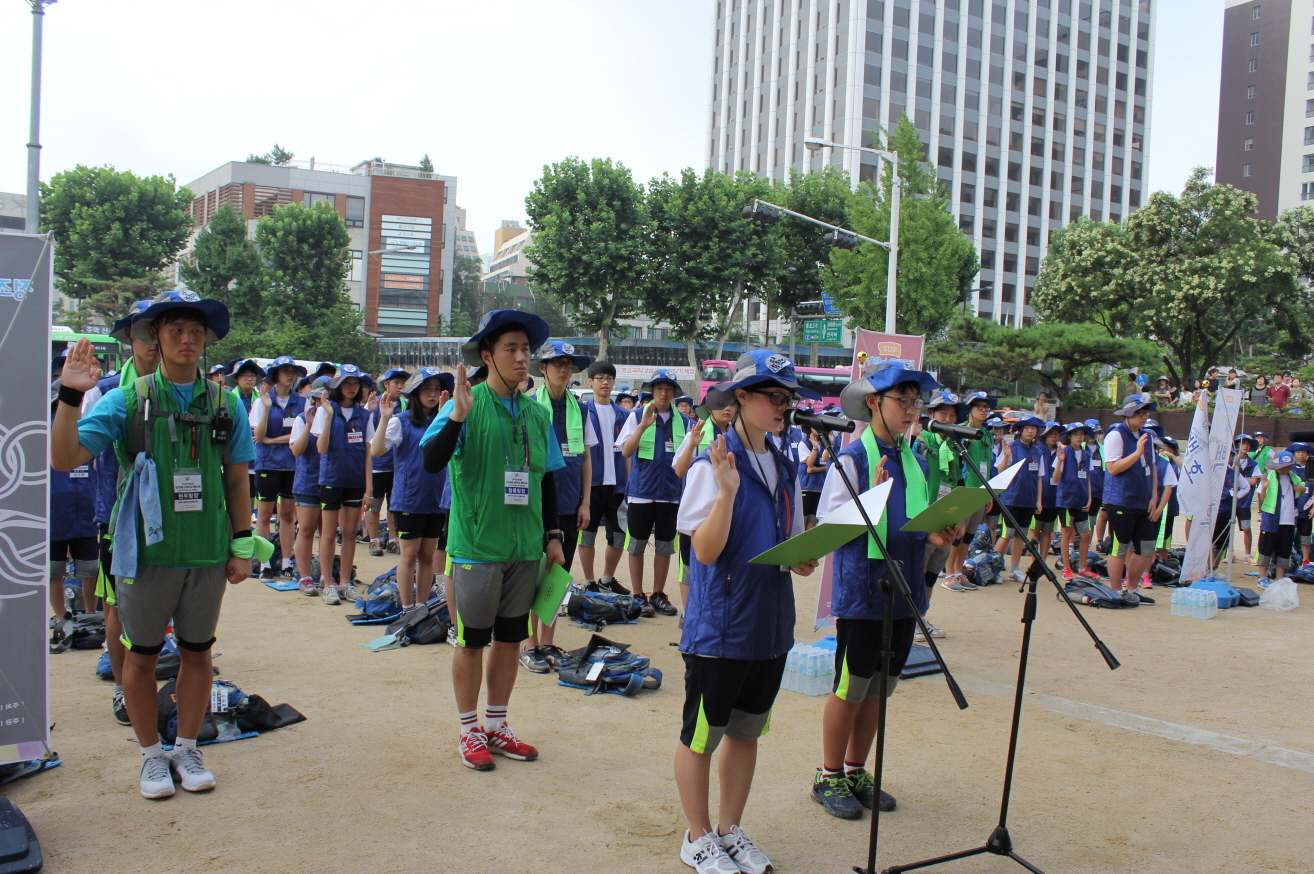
(225,265)
(278,156)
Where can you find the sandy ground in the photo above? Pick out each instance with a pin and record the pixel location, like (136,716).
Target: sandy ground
(371,781)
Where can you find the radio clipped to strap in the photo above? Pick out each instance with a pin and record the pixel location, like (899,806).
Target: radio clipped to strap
(147,404)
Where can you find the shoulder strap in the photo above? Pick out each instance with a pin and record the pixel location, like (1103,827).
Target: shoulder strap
(138,439)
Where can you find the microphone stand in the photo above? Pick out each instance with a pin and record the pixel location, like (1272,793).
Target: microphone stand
(1000,842)
(893,584)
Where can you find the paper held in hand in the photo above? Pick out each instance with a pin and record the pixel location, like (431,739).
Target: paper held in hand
(553,587)
(959,504)
(833,531)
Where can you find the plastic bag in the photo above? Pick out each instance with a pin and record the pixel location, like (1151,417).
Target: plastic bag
(1280,595)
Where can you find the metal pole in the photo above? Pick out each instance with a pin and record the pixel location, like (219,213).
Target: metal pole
(793,336)
(33,223)
(892,274)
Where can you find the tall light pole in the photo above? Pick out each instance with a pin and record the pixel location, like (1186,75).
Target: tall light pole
(896,195)
(33,223)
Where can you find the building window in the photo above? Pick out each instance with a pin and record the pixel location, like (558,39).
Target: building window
(1307,191)
(1248,144)
(1250,89)
(312,198)
(357,273)
(1254,12)
(1254,64)
(1254,39)
(355,212)
(1307,164)
(1245,170)
(1309,138)
(1250,116)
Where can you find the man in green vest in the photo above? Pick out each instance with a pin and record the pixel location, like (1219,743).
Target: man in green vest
(503,519)
(182,526)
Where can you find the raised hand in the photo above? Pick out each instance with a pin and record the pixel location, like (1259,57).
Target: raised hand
(81,370)
(649,415)
(385,408)
(723,464)
(266,393)
(462,400)
(881,474)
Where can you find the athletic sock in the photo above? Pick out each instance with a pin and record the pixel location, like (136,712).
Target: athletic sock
(1013,567)
(155,749)
(827,772)
(185,743)
(118,690)
(469,721)
(494,717)
(850,767)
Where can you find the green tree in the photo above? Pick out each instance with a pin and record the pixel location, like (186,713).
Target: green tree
(111,225)
(936,261)
(703,252)
(1050,353)
(425,164)
(589,224)
(225,265)
(823,195)
(467,304)
(1188,272)
(278,156)
(306,251)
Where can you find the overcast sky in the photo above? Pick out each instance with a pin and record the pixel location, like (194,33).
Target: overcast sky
(491,92)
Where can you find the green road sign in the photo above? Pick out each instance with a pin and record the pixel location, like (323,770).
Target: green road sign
(821,331)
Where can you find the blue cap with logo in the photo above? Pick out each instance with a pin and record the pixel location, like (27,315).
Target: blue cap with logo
(662,375)
(271,372)
(554,349)
(351,371)
(764,367)
(216,314)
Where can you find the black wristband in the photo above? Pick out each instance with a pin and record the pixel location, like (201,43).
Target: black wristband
(238,535)
(70,396)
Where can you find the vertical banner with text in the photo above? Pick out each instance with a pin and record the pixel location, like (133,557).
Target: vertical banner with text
(25,281)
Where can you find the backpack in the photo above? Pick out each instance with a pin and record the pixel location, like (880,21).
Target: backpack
(425,625)
(597,610)
(606,666)
(88,631)
(381,603)
(1095,595)
(244,714)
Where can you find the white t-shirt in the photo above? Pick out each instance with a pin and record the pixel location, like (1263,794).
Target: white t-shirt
(321,419)
(834,494)
(607,425)
(1113,448)
(1169,478)
(1286,501)
(631,425)
(701,489)
(257,414)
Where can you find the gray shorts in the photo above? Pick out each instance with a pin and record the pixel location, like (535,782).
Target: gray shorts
(191,597)
(936,558)
(489,594)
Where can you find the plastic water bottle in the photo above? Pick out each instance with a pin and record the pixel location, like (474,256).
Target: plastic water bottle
(789,680)
(1197,604)
(1211,605)
(1175,602)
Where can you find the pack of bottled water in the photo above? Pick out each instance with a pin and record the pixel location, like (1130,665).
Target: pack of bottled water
(809,670)
(1195,603)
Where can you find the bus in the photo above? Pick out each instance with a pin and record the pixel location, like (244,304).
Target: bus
(107,349)
(825,381)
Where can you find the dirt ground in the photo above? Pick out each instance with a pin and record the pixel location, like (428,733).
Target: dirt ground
(371,781)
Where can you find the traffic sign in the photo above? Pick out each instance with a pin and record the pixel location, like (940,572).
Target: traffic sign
(1141,379)
(821,331)
(828,306)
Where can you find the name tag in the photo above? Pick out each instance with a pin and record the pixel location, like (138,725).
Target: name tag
(287,423)
(1081,474)
(80,472)
(565,448)
(516,488)
(187,492)
(355,437)
(984,470)
(670,447)
(944,489)
(1035,465)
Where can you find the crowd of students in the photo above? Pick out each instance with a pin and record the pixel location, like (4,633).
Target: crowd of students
(157,469)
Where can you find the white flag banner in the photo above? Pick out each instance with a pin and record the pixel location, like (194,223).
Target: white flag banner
(1205,472)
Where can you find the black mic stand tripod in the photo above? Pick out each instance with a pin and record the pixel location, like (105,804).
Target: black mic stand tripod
(1000,842)
(893,584)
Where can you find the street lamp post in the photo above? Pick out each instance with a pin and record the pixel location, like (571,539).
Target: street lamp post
(896,195)
(32,225)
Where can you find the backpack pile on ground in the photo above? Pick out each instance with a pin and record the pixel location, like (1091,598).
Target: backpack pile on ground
(607,666)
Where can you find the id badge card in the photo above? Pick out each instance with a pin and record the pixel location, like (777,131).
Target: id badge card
(670,447)
(1081,474)
(354,437)
(187,490)
(287,422)
(1035,465)
(516,487)
(80,472)
(985,470)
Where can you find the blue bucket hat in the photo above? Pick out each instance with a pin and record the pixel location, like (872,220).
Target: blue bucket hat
(625,391)
(1263,434)
(884,376)
(683,399)
(659,376)
(282,361)
(1279,460)
(493,322)
(216,314)
(1246,437)
(319,386)
(57,364)
(1030,420)
(1134,404)
(240,365)
(941,398)
(979,397)
(1094,426)
(219,368)
(717,397)
(393,373)
(446,381)
(122,327)
(347,371)
(560,349)
(1075,426)
(996,422)
(764,367)
(1047,427)
(644,397)
(1169,441)
(1299,446)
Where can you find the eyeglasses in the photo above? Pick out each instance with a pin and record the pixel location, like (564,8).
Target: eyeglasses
(907,403)
(778,398)
(602,378)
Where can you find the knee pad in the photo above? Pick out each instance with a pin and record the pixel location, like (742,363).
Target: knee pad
(586,538)
(511,629)
(663,547)
(637,546)
(193,647)
(86,569)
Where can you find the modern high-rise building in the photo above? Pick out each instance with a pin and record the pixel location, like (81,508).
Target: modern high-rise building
(1033,112)
(1266,102)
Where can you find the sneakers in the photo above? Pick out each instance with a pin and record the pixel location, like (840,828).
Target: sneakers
(268,574)
(662,604)
(645,606)
(533,661)
(474,751)
(1087,573)
(189,767)
(863,787)
(331,596)
(936,632)
(707,855)
(307,587)
(1131,598)
(121,709)
(555,655)
(156,779)
(1067,573)
(742,851)
(1016,576)
(451,635)
(951,583)
(375,548)
(835,795)
(1146,582)
(1144,598)
(611,584)
(504,742)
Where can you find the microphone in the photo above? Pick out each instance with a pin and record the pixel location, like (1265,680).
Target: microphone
(805,420)
(960,432)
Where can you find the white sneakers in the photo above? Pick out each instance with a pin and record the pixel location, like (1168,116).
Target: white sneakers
(157,773)
(330,595)
(727,854)
(156,780)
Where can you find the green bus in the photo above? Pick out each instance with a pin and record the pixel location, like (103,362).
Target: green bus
(108,350)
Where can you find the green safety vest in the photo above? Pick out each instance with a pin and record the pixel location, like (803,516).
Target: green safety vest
(1271,492)
(979,452)
(574,421)
(648,441)
(483,526)
(915,494)
(941,460)
(191,539)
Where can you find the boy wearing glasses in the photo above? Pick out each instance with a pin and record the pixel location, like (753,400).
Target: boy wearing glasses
(610,472)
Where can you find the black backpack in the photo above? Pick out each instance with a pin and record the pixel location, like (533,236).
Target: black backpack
(424,625)
(596,610)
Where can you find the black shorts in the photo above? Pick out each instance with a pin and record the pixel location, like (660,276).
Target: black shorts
(686,547)
(77,548)
(728,697)
(1095,506)
(1049,514)
(334,498)
(382,485)
(1070,518)
(1304,526)
(1222,528)
(604,507)
(567,522)
(420,526)
(251,476)
(1242,513)
(1132,526)
(655,519)
(1276,545)
(273,485)
(1023,516)
(858,656)
(810,502)
(106,556)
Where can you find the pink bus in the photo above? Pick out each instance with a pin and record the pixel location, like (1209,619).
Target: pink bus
(825,381)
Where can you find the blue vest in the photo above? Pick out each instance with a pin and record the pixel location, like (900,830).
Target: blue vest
(1131,488)
(1096,457)
(278,456)
(445,503)
(814,482)
(107,467)
(736,609)
(1073,492)
(655,478)
(1021,492)
(1225,500)
(306,479)
(414,489)
(1049,494)
(1162,464)
(605,442)
(569,479)
(344,463)
(385,463)
(73,502)
(856,579)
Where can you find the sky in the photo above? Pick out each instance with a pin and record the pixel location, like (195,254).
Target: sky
(492,92)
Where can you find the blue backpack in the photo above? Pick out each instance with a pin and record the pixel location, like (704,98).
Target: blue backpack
(596,610)
(381,603)
(607,666)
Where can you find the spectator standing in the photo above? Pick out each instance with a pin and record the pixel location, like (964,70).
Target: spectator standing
(1278,394)
(1233,381)
(1258,395)
(1164,394)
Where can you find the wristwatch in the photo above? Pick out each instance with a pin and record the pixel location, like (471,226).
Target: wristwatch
(555,535)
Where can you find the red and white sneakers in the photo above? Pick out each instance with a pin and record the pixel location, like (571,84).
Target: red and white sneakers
(474,751)
(505,742)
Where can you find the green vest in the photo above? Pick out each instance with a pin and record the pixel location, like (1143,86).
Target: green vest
(191,539)
(574,421)
(483,527)
(941,460)
(1271,491)
(979,452)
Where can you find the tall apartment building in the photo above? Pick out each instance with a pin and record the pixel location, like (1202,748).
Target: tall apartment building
(397,218)
(1034,112)
(464,242)
(1266,102)
(509,261)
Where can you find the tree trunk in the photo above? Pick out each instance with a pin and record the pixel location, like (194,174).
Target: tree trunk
(691,342)
(729,320)
(604,332)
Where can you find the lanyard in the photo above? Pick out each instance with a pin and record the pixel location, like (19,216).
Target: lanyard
(524,434)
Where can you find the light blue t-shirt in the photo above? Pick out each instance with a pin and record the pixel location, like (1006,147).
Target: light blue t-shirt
(106,423)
